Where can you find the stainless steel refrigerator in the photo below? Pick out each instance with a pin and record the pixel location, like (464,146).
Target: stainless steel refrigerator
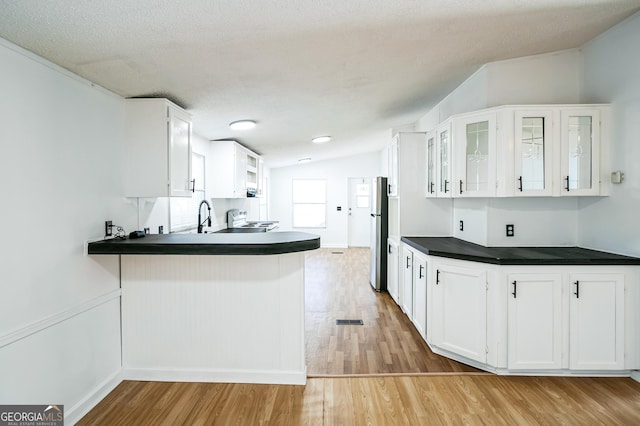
(379,232)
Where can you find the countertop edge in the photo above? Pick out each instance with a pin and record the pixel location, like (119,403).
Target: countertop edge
(140,247)
(609,259)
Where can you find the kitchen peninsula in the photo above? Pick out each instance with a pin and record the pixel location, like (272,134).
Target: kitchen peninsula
(213,307)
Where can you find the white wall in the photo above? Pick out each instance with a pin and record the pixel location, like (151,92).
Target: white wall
(612,75)
(61,167)
(337,173)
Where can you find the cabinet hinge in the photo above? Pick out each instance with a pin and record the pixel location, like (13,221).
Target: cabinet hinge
(486,285)
(486,350)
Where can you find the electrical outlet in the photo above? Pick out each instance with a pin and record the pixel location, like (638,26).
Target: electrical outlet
(108,228)
(510,231)
(160,229)
(461,225)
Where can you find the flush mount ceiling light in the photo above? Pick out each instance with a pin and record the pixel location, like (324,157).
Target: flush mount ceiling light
(242,125)
(321,139)
(304,160)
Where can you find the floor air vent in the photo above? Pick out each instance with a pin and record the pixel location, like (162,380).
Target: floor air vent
(337,252)
(349,322)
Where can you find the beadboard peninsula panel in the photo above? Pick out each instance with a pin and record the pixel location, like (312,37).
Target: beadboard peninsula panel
(214,318)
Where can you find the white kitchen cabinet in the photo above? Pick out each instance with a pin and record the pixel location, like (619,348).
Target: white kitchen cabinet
(393,258)
(597,320)
(432,164)
(534,145)
(444,164)
(407,282)
(158,144)
(420,293)
(438,158)
(392,179)
(460,309)
(260,191)
(580,151)
(475,155)
(234,169)
(534,327)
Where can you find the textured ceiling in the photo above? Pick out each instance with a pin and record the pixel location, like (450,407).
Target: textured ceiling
(301,68)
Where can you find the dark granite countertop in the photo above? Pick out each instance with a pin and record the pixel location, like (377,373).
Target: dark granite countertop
(259,243)
(459,249)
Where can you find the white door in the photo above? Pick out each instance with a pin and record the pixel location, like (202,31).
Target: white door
(460,311)
(420,293)
(596,322)
(359,212)
(535,321)
(407,282)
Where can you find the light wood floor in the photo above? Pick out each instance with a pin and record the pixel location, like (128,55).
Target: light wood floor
(337,287)
(415,400)
(386,343)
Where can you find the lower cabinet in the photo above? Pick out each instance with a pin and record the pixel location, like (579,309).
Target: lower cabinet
(392,269)
(588,336)
(460,310)
(420,293)
(541,319)
(596,321)
(406,301)
(534,325)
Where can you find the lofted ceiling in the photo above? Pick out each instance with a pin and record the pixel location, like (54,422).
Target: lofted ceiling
(301,68)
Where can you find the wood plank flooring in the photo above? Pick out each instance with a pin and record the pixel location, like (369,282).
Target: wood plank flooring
(337,287)
(408,400)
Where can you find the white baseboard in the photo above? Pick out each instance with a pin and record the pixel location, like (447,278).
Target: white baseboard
(79,410)
(217,376)
(635,375)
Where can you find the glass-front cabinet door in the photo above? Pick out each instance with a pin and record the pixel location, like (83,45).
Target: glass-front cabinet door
(443,159)
(533,152)
(431,164)
(475,156)
(580,147)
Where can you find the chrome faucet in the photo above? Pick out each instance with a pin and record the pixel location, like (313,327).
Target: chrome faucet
(207,219)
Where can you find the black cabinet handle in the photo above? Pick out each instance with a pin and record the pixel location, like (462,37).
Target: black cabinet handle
(193,185)
(446,182)
(431,188)
(437,276)
(515,288)
(461,186)
(577,292)
(390,248)
(567,186)
(407,262)
(520,183)
(420,272)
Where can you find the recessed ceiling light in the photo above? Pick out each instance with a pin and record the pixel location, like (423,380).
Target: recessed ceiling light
(321,139)
(304,160)
(242,125)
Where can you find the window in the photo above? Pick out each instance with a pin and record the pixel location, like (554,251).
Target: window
(362,195)
(309,203)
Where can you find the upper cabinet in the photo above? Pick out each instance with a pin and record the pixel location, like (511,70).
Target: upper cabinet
(234,171)
(158,144)
(392,180)
(475,145)
(439,168)
(518,151)
(432,164)
(533,155)
(580,148)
